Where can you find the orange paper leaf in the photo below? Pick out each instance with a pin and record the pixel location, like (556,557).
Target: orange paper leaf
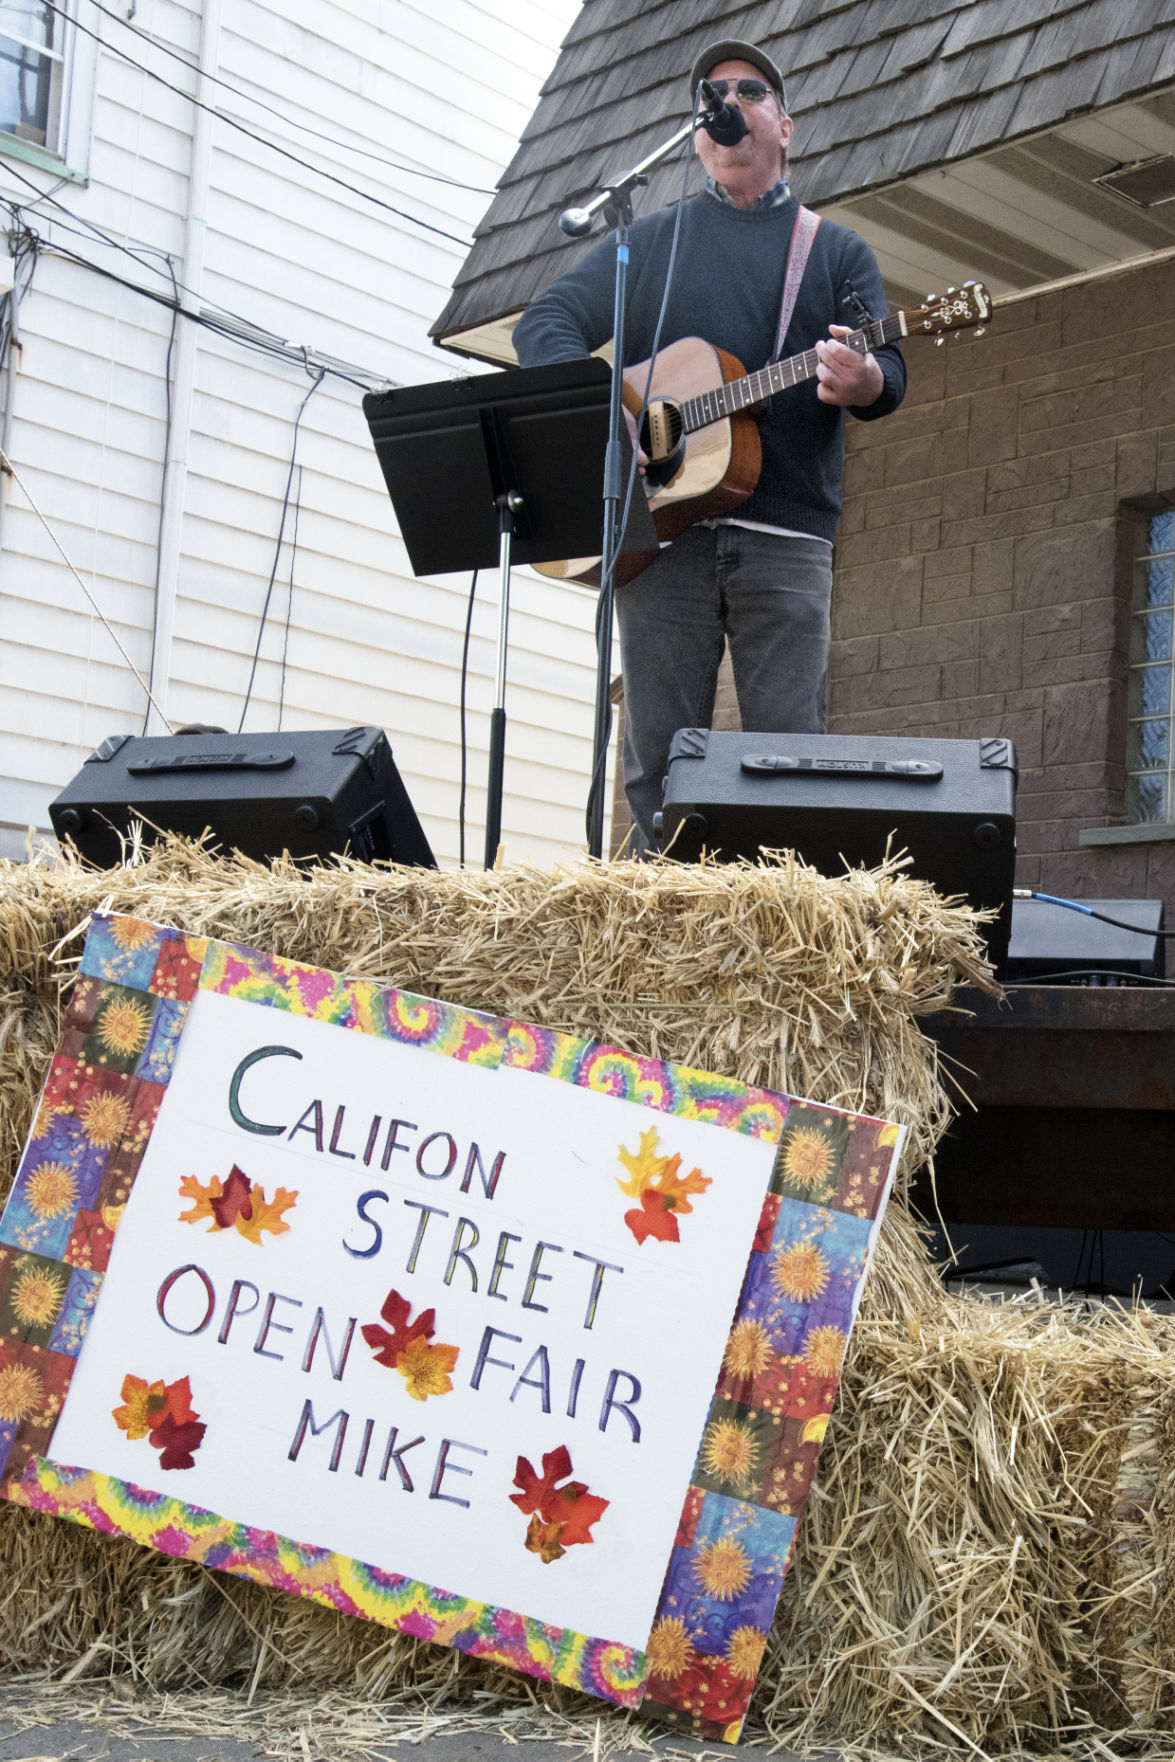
(265,1214)
(543,1539)
(643,1167)
(677,1189)
(425,1368)
(202,1197)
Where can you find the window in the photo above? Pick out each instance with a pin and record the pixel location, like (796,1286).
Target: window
(31,72)
(1150,785)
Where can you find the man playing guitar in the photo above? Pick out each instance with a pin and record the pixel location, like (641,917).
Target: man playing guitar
(759,577)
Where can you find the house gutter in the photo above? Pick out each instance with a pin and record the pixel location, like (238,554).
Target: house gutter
(1082,277)
(175,477)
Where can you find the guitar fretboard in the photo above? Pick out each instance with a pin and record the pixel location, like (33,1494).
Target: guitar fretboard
(740,394)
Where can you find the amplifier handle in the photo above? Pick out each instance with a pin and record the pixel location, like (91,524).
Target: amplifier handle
(910,770)
(224,761)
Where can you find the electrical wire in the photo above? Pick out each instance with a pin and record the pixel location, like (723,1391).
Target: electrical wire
(599,769)
(83,228)
(24,243)
(87,229)
(281,699)
(464,739)
(6,462)
(319,377)
(167,422)
(291,122)
(242,128)
(259,342)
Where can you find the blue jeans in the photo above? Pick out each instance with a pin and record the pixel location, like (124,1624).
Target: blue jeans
(768,596)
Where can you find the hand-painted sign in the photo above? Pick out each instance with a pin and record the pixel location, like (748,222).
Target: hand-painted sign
(422,1314)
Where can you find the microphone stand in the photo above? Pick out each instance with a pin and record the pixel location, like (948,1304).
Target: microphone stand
(616,204)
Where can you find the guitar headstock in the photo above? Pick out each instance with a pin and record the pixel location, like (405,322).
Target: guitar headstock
(962,308)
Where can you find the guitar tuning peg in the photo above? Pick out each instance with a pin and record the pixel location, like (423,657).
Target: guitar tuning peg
(939,341)
(979,329)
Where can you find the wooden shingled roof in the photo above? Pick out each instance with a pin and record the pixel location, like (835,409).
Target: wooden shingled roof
(881,91)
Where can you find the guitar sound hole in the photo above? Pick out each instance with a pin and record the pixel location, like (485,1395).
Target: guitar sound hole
(661,430)
(661,437)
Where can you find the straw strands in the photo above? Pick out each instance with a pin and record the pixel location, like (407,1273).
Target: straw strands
(985,1565)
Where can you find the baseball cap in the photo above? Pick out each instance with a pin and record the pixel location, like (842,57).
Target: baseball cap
(732,49)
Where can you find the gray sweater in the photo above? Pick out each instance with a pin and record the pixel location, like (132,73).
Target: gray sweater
(727,288)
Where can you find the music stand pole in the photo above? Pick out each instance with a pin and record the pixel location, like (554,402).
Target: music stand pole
(501,466)
(508,505)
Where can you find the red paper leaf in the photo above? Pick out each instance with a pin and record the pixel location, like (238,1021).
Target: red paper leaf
(178,1401)
(236,1200)
(177,1442)
(578,1515)
(653,1219)
(534,1492)
(388,1346)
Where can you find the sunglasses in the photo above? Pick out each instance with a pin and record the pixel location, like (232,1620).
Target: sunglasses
(747,91)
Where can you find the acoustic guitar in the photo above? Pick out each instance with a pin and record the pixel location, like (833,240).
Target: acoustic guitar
(700,429)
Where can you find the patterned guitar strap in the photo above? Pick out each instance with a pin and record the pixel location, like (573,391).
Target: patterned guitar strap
(803,233)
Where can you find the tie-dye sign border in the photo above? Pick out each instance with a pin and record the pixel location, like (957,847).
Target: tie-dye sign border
(780,1366)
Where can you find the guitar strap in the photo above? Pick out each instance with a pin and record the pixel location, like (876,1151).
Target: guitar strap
(803,233)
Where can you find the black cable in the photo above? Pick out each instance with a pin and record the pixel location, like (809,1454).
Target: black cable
(600,769)
(175,318)
(42,195)
(87,229)
(1086,972)
(1087,911)
(24,251)
(281,698)
(464,743)
(84,228)
(285,153)
(321,375)
(290,121)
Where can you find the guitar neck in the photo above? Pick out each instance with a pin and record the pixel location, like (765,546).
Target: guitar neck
(740,394)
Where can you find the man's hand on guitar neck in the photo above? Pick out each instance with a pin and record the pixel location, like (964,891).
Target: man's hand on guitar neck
(843,376)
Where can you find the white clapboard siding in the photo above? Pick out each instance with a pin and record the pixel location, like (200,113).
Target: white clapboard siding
(444,87)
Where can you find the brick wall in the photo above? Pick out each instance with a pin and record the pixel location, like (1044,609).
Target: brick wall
(982,569)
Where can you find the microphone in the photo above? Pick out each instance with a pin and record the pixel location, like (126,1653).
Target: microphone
(720,121)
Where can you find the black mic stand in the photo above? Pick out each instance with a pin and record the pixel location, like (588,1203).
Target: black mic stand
(616,204)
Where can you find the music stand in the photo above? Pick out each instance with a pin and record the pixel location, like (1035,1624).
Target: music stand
(501,465)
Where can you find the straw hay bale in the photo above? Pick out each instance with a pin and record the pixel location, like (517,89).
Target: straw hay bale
(986,1561)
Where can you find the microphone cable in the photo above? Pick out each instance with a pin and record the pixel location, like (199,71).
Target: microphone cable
(598,774)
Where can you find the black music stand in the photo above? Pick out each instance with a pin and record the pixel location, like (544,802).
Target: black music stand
(505,466)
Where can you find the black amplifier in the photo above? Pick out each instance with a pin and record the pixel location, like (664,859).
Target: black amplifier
(840,799)
(1052,944)
(313,794)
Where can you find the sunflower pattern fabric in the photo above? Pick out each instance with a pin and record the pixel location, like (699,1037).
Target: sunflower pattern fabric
(96,1111)
(768,1418)
(770,1410)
